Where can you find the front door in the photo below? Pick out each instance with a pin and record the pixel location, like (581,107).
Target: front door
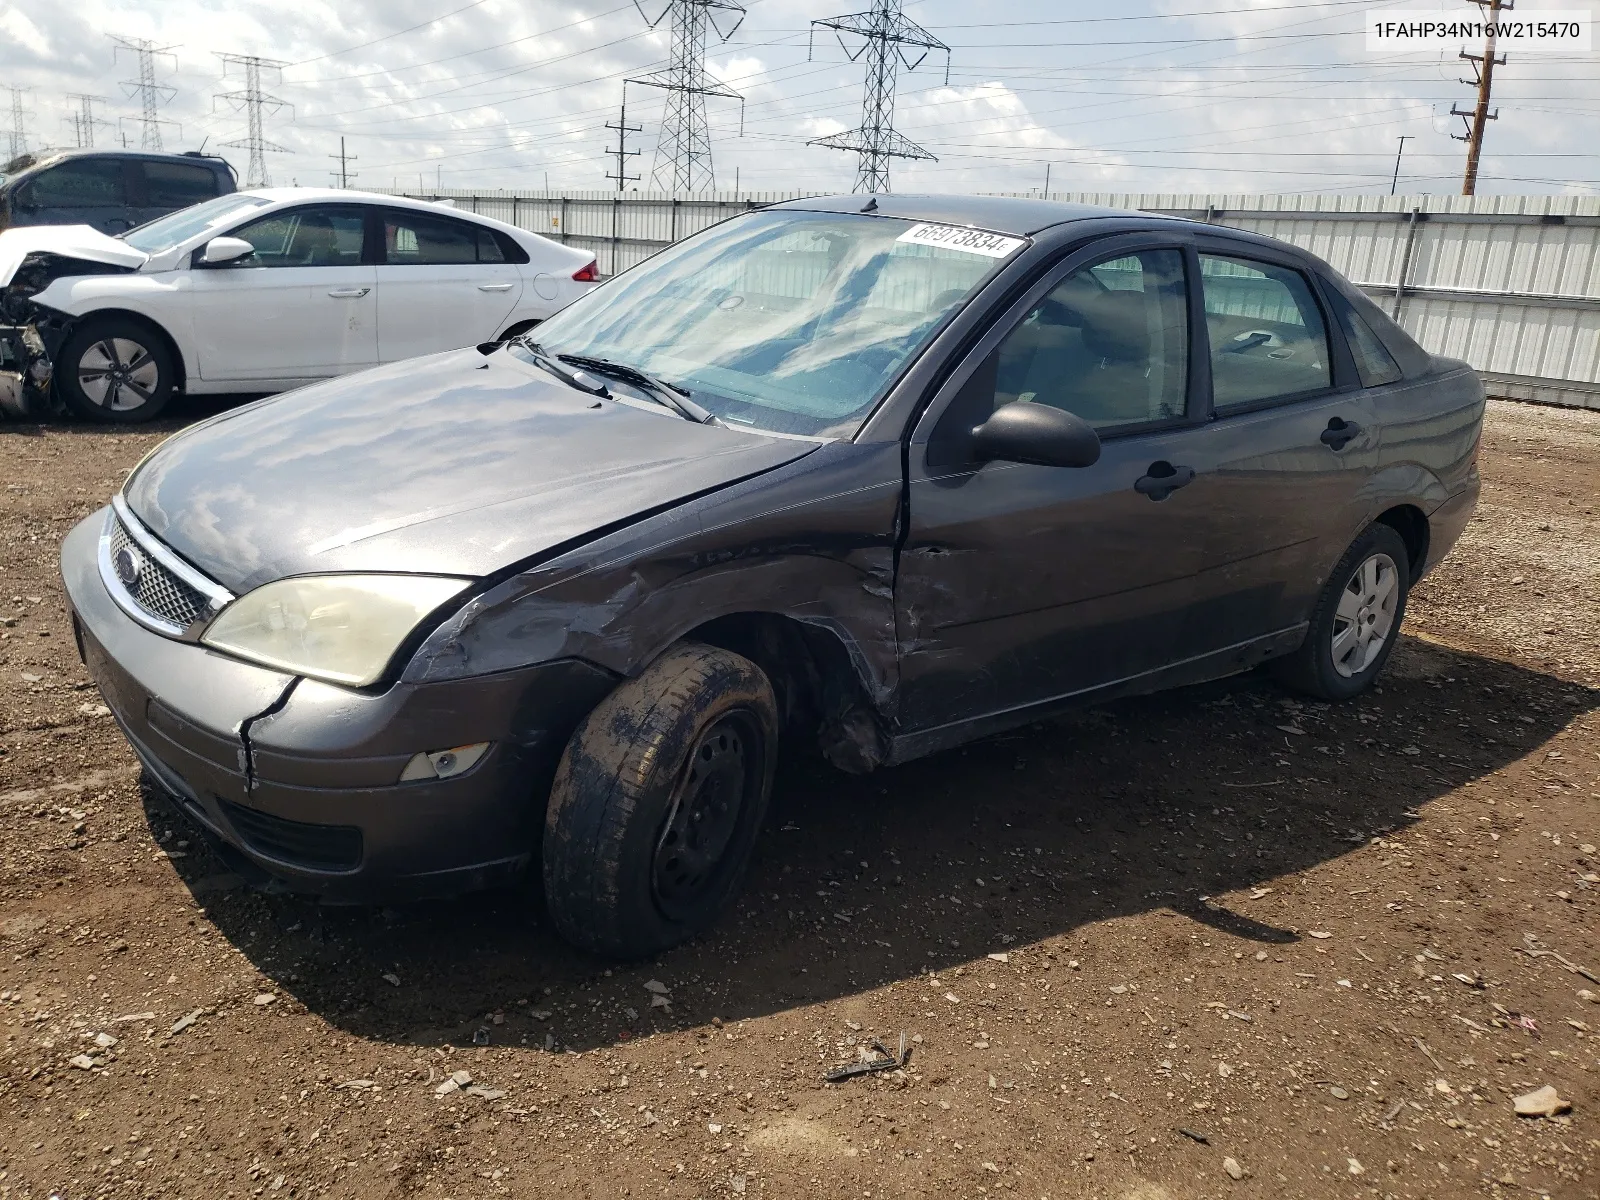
(303,306)
(442,284)
(1019,583)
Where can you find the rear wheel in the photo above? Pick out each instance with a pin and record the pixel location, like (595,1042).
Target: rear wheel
(1356,620)
(657,802)
(115,370)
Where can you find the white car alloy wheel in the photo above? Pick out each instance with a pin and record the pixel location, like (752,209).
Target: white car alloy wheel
(1365,616)
(118,374)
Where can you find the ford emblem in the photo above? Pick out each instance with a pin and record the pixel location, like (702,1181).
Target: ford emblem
(129,565)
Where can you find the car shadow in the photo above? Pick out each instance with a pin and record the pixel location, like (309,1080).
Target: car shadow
(1166,802)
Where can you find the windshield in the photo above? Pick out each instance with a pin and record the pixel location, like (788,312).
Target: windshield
(166,232)
(793,322)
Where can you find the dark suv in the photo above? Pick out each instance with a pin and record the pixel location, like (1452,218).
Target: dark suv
(113,190)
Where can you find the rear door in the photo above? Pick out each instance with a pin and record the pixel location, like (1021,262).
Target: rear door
(1293,443)
(1021,583)
(301,307)
(442,283)
(85,190)
(169,186)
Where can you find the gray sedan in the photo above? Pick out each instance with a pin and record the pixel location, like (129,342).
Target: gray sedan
(864,477)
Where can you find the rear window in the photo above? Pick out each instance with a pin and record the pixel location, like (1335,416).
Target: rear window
(79,183)
(178,185)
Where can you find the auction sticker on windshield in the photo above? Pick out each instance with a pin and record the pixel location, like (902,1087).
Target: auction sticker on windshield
(953,237)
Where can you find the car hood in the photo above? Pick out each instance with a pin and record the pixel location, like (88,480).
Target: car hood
(82,242)
(457,464)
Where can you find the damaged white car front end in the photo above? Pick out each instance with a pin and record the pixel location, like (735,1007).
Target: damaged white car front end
(31,259)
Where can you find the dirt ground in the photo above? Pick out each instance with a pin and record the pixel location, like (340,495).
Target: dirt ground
(1214,943)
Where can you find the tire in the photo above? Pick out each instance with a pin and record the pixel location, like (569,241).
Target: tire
(657,802)
(115,370)
(1366,591)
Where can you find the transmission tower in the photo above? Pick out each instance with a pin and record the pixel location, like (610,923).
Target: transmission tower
(255,102)
(683,151)
(622,154)
(1483,66)
(84,120)
(152,95)
(886,35)
(19,122)
(344,174)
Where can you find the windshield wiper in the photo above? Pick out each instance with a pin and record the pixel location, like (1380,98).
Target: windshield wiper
(669,394)
(578,379)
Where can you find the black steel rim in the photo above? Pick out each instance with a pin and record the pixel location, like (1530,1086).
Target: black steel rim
(692,854)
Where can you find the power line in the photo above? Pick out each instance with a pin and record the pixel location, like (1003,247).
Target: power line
(1479,116)
(84,120)
(683,147)
(152,95)
(343,174)
(255,102)
(622,154)
(886,34)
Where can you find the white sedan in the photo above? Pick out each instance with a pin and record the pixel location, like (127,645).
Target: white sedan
(266,290)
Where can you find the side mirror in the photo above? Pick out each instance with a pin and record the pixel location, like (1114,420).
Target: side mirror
(1024,432)
(225,250)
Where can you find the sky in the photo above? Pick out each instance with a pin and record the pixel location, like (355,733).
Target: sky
(1147,96)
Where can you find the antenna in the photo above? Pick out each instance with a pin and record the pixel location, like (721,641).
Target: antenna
(343,174)
(152,95)
(886,34)
(622,154)
(255,102)
(19,121)
(683,151)
(1483,66)
(84,120)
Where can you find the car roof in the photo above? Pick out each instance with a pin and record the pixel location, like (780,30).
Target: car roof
(42,158)
(284,195)
(1015,215)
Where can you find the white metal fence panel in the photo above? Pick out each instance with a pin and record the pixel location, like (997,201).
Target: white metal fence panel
(1509,283)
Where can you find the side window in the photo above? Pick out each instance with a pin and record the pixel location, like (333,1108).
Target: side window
(80,183)
(1109,343)
(417,239)
(305,237)
(1374,364)
(178,185)
(1267,335)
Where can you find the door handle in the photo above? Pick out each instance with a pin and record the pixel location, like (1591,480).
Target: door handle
(349,293)
(1163,479)
(495,287)
(1340,433)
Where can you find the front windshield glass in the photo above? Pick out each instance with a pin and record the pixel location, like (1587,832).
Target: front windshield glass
(166,232)
(788,321)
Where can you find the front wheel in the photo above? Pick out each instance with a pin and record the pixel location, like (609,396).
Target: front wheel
(1356,620)
(657,802)
(115,370)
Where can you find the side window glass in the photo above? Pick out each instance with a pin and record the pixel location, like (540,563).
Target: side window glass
(489,250)
(1374,364)
(1109,343)
(178,185)
(305,237)
(417,239)
(1267,335)
(81,183)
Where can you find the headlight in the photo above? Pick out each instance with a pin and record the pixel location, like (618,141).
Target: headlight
(342,628)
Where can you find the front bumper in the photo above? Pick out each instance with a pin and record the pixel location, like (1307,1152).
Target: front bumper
(300,778)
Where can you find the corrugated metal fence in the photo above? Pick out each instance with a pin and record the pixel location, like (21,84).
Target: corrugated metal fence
(1509,283)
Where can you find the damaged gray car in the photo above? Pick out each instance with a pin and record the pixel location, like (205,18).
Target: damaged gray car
(867,479)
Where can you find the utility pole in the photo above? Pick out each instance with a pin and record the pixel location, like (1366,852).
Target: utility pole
(1395,182)
(344,160)
(152,95)
(683,150)
(255,102)
(1483,65)
(622,154)
(84,120)
(886,34)
(19,122)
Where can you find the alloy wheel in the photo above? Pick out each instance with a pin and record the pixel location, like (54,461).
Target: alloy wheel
(118,374)
(1365,616)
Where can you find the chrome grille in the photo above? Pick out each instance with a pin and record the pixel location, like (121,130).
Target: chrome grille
(156,590)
